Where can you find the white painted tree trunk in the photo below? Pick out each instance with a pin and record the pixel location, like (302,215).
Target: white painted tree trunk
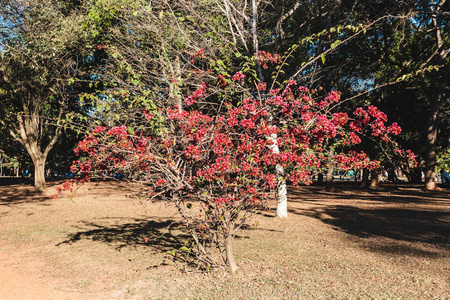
(281,182)
(282,194)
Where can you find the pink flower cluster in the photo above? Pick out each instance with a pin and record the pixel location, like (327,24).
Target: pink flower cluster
(199,93)
(238,76)
(265,57)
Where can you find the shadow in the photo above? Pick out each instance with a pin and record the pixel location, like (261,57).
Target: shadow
(386,193)
(19,194)
(412,231)
(14,191)
(161,236)
(392,219)
(399,224)
(5,181)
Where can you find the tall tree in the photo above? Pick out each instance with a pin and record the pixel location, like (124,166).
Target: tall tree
(40,44)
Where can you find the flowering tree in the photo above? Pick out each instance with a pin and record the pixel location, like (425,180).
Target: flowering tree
(218,166)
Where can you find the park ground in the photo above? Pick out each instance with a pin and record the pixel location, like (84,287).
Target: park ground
(349,243)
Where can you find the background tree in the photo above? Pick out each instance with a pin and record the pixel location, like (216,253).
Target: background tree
(404,38)
(42,44)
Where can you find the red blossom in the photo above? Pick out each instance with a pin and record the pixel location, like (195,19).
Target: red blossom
(238,76)
(262,86)
(228,159)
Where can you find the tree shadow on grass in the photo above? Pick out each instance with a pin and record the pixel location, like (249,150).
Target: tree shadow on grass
(392,219)
(162,236)
(16,191)
(14,195)
(403,193)
(411,231)
(157,236)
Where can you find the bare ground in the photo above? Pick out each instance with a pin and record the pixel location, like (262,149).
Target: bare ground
(390,243)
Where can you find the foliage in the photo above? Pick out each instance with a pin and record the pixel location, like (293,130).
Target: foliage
(443,160)
(218,165)
(42,46)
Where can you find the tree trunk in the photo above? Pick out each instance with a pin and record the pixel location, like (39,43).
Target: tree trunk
(365,178)
(431,141)
(281,182)
(391,175)
(229,253)
(375,179)
(329,179)
(438,88)
(282,196)
(39,172)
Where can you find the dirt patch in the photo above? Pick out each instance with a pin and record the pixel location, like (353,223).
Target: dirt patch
(347,244)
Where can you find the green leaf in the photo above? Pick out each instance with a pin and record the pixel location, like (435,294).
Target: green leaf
(184,248)
(322,56)
(335,44)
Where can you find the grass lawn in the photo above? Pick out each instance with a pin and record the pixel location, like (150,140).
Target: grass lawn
(389,243)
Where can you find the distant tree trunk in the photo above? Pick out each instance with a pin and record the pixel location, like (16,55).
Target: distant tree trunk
(431,141)
(320,178)
(391,175)
(29,136)
(375,179)
(437,100)
(329,179)
(330,171)
(365,178)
